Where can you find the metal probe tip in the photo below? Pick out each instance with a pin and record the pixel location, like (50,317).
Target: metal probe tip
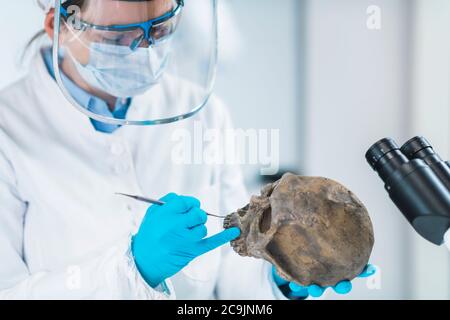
(158,203)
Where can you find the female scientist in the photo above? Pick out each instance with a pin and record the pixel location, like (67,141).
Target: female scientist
(64,232)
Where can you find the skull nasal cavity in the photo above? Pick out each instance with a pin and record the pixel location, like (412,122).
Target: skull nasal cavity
(266,220)
(244,210)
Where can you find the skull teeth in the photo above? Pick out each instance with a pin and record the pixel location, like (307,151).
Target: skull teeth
(238,244)
(227,222)
(240,247)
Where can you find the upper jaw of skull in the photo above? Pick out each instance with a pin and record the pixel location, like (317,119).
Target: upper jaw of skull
(255,223)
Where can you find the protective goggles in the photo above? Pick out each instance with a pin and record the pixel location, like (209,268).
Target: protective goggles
(131,35)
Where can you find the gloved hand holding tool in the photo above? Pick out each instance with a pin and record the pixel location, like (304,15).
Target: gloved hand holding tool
(173,235)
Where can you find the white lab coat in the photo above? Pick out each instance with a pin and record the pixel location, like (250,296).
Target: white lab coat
(63,232)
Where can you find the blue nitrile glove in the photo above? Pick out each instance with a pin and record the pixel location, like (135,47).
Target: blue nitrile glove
(171,236)
(296,291)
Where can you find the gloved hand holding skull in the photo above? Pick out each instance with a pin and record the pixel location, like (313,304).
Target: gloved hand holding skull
(313,230)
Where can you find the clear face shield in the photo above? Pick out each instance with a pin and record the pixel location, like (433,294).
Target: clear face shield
(132,51)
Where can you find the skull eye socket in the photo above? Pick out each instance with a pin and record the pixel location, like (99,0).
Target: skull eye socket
(266,220)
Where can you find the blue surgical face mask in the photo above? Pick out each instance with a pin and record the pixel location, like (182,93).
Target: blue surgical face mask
(121,72)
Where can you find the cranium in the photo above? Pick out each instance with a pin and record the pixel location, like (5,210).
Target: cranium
(313,230)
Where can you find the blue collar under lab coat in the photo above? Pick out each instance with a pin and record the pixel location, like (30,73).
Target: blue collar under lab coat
(88,101)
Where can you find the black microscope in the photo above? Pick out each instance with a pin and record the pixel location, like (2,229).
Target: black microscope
(418,182)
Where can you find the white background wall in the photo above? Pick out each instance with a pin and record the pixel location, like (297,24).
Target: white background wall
(357,93)
(352,86)
(262,83)
(313,70)
(431,118)
(19,21)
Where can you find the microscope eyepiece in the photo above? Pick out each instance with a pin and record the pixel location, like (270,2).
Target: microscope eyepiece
(414,146)
(417,181)
(379,150)
(420,148)
(385,157)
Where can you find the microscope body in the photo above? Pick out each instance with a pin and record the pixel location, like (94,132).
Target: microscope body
(418,182)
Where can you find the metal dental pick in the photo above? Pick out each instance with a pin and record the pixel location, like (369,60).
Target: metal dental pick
(158,203)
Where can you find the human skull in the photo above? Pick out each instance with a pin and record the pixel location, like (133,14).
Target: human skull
(313,230)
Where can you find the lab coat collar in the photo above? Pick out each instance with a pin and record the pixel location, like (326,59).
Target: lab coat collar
(57,110)
(87,100)
(62,114)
